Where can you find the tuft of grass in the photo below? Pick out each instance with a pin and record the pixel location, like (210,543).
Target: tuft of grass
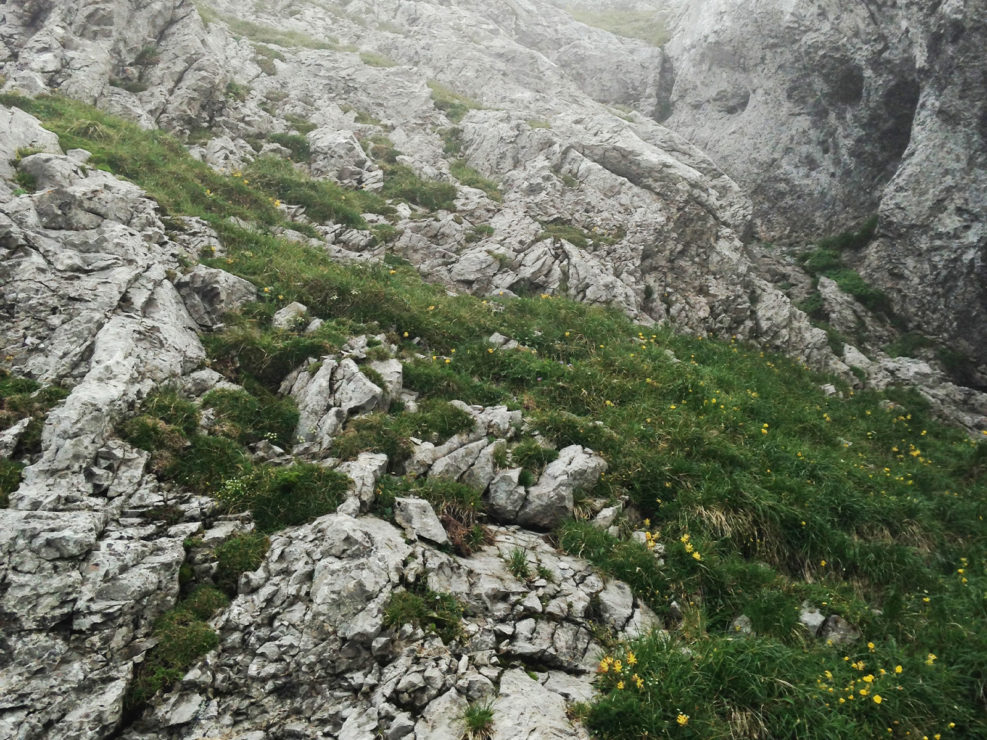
(473,179)
(827,259)
(298,145)
(454,105)
(261,34)
(517,564)
(249,418)
(280,497)
(181,636)
(23,398)
(375,59)
(479,720)
(265,56)
(438,613)
(323,200)
(248,353)
(238,555)
(10,479)
(402,183)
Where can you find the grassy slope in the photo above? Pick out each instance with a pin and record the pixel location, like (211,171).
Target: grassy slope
(869,510)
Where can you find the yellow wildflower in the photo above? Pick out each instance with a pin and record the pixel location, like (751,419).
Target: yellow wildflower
(682,719)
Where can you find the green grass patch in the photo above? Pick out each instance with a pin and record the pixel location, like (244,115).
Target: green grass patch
(646,25)
(239,554)
(473,179)
(295,143)
(23,398)
(10,479)
(479,720)
(827,259)
(375,59)
(182,636)
(454,105)
(265,56)
(249,418)
(438,613)
(280,497)
(401,182)
(261,34)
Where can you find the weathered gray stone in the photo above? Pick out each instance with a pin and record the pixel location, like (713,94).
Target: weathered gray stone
(209,294)
(525,708)
(505,496)
(290,317)
(419,520)
(551,499)
(837,631)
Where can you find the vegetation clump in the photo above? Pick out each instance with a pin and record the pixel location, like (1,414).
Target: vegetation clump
(279,497)
(182,635)
(23,398)
(239,554)
(434,612)
(454,105)
(827,260)
(647,25)
(473,179)
(479,720)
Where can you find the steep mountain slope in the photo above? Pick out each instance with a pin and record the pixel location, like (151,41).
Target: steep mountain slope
(827,113)
(259,480)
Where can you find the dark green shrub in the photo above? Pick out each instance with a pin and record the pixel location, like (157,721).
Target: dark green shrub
(821,261)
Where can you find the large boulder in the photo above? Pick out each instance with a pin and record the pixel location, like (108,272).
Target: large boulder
(550,500)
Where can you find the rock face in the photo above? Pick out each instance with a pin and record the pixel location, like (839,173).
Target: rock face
(84,569)
(827,113)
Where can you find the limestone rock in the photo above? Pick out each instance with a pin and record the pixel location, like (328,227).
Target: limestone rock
(289,317)
(551,499)
(419,520)
(524,708)
(209,294)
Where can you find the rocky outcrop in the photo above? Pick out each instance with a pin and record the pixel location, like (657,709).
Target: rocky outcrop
(828,113)
(210,294)
(85,566)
